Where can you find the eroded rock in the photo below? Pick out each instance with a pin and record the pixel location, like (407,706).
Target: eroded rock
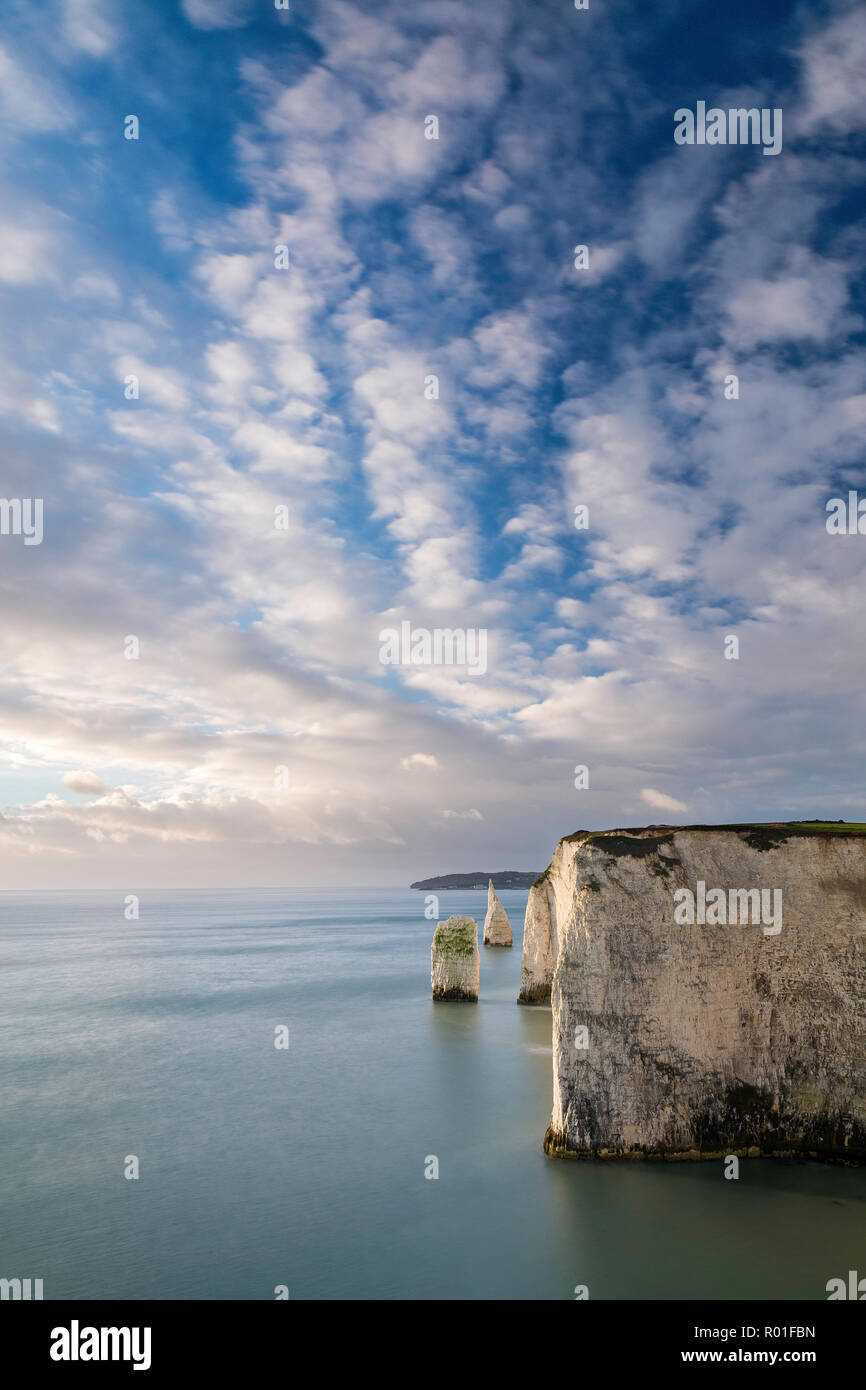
(497,928)
(678,1038)
(547,907)
(455,960)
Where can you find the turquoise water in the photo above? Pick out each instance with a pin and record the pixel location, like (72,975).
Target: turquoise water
(305,1167)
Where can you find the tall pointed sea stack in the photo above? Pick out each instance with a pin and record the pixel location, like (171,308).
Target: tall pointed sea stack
(497,928)
(455,960)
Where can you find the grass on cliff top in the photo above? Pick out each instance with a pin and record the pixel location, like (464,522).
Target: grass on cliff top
(457,936)
(640,841)
(831,827)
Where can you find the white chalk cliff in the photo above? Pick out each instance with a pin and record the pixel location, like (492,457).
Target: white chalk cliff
(455,960)
(497,928)
(687,1039)
(547,905)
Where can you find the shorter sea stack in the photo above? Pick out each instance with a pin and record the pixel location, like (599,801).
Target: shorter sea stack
(497,928)
(455,960)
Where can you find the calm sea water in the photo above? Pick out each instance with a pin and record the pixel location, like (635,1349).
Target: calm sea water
(305,1167)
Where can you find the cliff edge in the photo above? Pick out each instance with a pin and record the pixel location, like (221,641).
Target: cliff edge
(708,987)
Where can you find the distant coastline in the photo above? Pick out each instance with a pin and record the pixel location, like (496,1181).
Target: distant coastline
(506,878)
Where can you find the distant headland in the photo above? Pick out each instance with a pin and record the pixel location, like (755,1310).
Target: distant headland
(508,878)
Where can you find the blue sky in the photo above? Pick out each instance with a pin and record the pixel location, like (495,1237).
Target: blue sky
(304,387)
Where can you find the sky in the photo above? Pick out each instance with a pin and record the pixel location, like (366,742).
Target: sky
(254,461)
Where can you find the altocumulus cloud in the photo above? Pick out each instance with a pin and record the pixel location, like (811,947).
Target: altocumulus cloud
(422,396)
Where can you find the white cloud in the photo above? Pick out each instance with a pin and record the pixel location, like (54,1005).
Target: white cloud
(834,76)
(86,27)
(218,14)
(28,102)
(169,223)
(787,308)
(419,760)
(161,386)
(448,248)
(87,783)
(229,278)
(27,254)
(95,284)
(661,802)
(508,351)
(233,367)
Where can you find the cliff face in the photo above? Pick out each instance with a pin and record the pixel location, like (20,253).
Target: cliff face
(679,1032)
(497,928)
(455,960)
(548,905)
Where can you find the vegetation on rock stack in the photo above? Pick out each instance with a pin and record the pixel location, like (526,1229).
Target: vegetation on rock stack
(456,937)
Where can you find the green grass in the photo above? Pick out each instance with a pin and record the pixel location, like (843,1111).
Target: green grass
(791,827)
(456,937)
(831,827)
(643,841)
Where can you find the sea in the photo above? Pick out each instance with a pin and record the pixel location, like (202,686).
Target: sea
(251,1095)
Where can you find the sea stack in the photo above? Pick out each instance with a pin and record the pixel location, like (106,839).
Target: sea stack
(455,960)
(708,988)
(497,928)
